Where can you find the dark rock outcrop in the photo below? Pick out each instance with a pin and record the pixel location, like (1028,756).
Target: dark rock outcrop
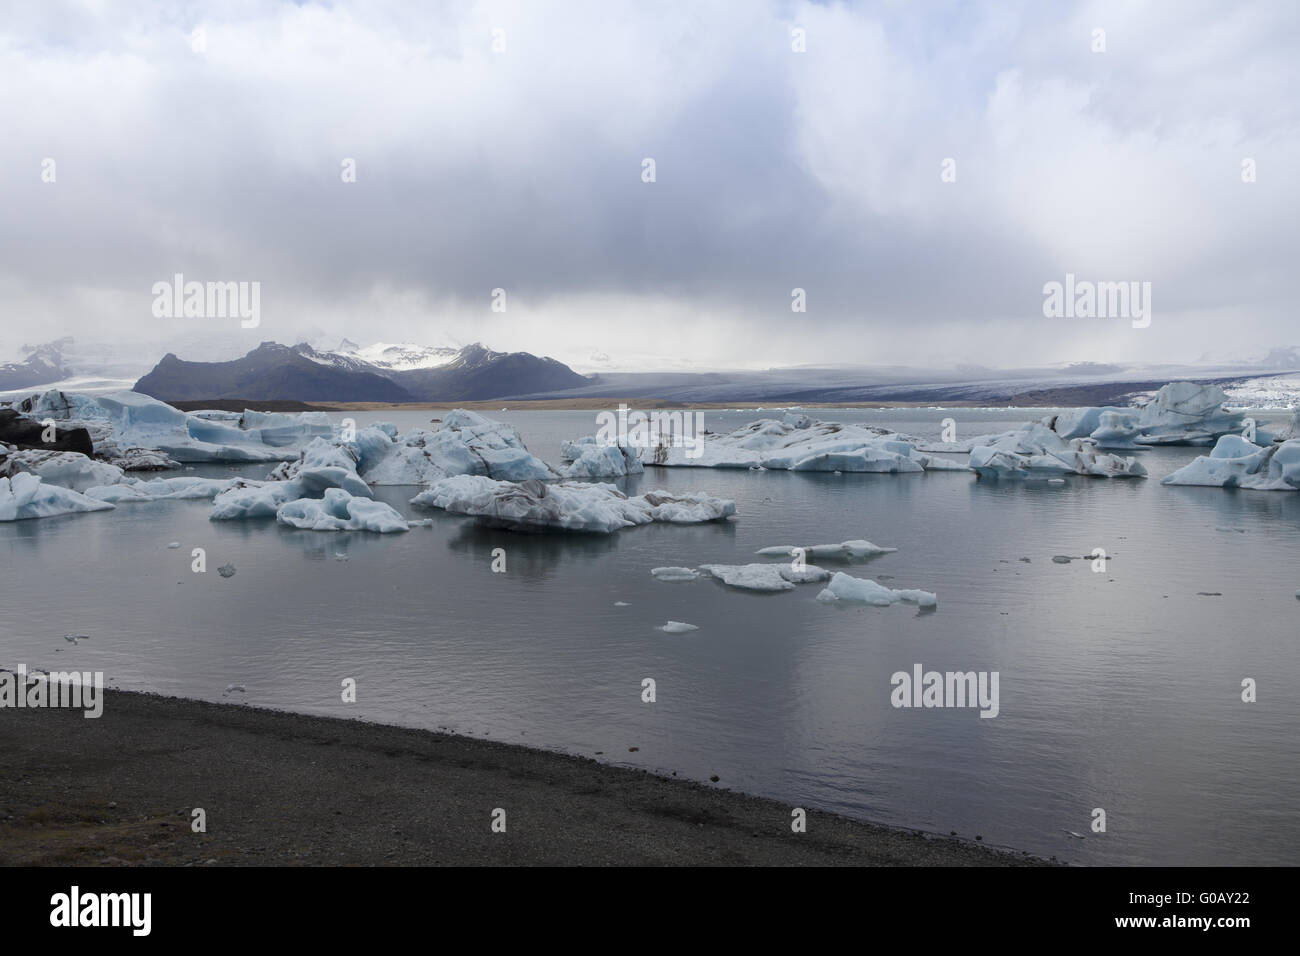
(16,429)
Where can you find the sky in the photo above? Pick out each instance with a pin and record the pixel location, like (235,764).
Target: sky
(919,169)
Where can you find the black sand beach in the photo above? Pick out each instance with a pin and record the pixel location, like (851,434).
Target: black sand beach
(288,789)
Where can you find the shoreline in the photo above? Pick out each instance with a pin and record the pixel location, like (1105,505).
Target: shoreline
(283,789)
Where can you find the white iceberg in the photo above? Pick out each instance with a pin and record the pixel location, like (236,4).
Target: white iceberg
(340,511)
(1036,451)
(678,627)
(1184,413)
(68,469)
(798,444)
(765,577)
(187,487)
(25,496)
(1237,463)
(121,421)
(566,506)
(466,444)
(589,459)
(844,587)
(845,550)
(674,574)
(1180,413)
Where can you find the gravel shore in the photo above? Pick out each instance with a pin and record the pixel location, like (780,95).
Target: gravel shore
(289,789)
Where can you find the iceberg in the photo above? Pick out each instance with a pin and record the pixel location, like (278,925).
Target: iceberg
(25,496)
(534,505)
(845,550)
(678,627)
(588,459)
(674,574)
(1184,413)
(321,465)
(244,500)
(1180,413)
(120,421)
(68,469)
(764,577)
(844,587)
(1036,451)
(340,511)
(799,444)
(466,444)
(1237,463)
(134,489)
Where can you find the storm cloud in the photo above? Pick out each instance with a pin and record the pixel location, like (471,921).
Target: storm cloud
(210,140)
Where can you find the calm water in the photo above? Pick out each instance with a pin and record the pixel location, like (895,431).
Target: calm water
(1119,690)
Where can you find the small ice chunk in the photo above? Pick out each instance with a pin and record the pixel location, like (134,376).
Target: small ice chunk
(675,574)
(678,627)
(340,511)
(226,570)
(844,587)
(845,550)
(173,545)
(765,577)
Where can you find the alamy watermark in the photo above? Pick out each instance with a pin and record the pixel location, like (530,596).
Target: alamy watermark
(922,688)
(78,690)
(657,429)
(1084,299)
(208,300)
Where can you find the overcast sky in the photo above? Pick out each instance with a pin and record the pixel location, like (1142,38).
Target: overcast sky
(775,169)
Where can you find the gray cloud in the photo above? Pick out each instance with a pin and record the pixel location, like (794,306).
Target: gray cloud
(775,169)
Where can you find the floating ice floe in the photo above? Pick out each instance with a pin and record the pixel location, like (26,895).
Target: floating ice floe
(24,496)
(589,459)
(119,422)
(188,487)
(678,627)
(799,444)
(68,469)
(764,577)
(845,550)
(466,444)
(1180,413)
(340,511)
(567,505)
(675,574)
(1237,463)
(844,587)
(1036,451)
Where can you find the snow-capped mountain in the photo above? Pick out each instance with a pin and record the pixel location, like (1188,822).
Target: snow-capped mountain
(410,373)
(44,363)
(401,357)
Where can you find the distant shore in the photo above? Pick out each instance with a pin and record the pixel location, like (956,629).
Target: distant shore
(289,789)
(550,404)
